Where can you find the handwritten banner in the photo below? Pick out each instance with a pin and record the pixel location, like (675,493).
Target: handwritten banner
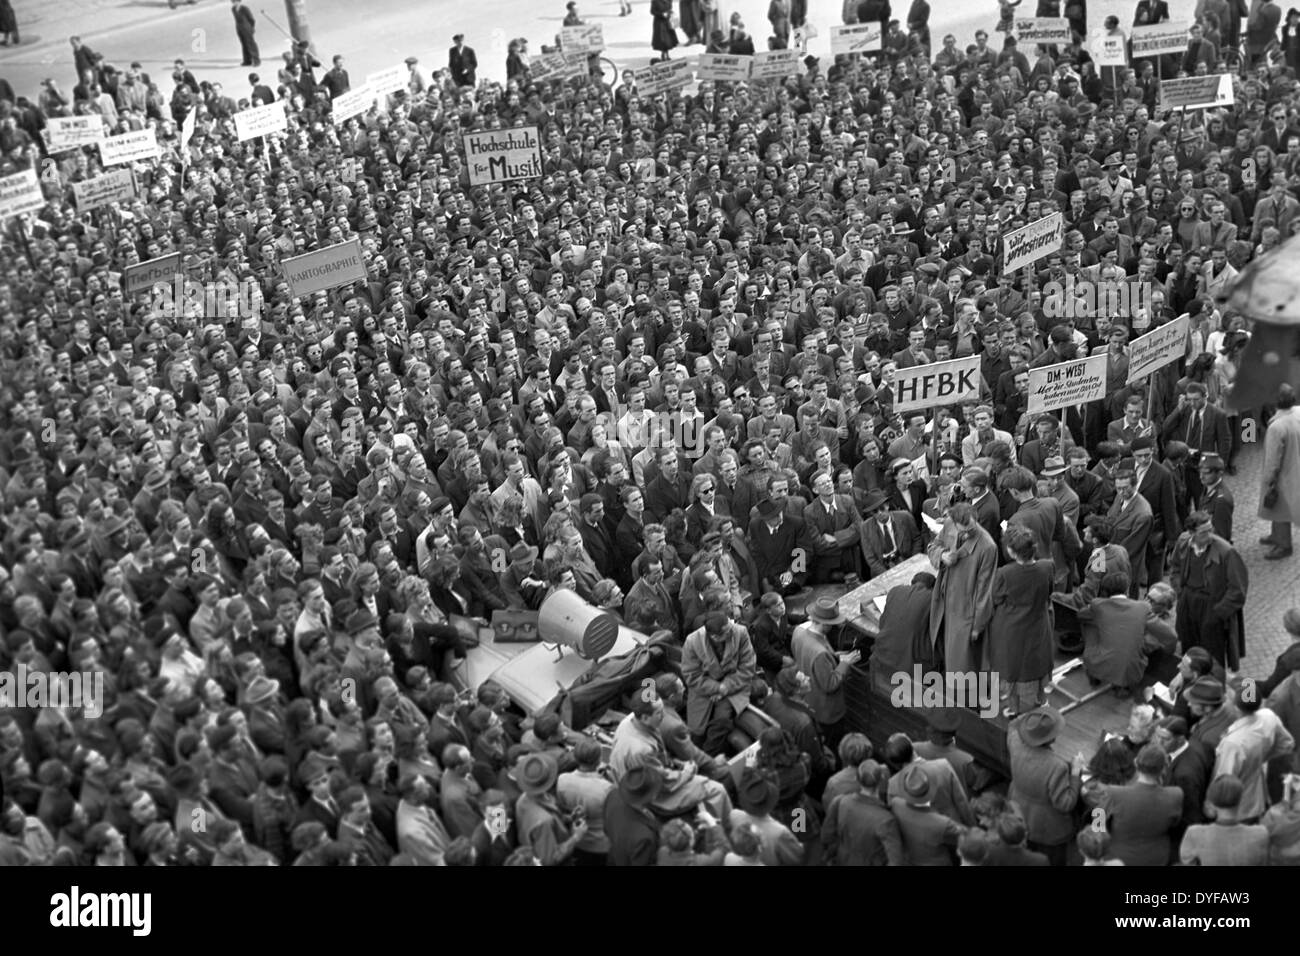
(129,147)
(1045,30)
(1076,382)
(63,133)
(1196,92)
(389,80)
(115,186)
(775,65)
(1157,38)
(663,76)
(1030,243)
(857,38)
(352,103)
(1162,345)
(261,121)
(503,155)
(588,38)
(729,69)
(20,193)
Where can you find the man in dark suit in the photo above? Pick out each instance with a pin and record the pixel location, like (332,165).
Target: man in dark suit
(595,536)
(1156,485)
(669,489)
(462,62)
(988,513)
(1131,521)
(245,25)
(780,547)
(916,353)
(1215,498)
(907,493)
(888,536)
(834,529)
(1190,764)
(1202,426)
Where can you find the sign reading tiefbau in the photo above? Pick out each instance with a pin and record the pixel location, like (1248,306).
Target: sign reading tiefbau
(939,383)
(1156,349)
(503,155)
(325,268)
(1027,245)
(1076,382)
(145,275)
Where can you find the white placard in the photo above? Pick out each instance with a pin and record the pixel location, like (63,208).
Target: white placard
(938,383)
(389,80)
(325,268)
(588,38)
(857,38)
(143,276)
(1162,345)
(129,147)
(1076,382)
(557,66)
(503,155)
(1109,50)
(663,76)
(1197,92)
(775,65)
(352,103)
(116,185)
(261,121)
(1156,38)
(1045,30)
(724,68)
(1030,243)
(63,133)
(20,193)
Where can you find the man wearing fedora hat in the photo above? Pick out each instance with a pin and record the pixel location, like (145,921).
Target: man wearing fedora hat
(549,830)
(718,666)
(889,536)
(778,542)
(826,668)
(630,824)
(929,837)
(1211,710)
(1043,783)
(757,795)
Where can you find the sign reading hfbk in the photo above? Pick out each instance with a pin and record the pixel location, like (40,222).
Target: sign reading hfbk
(1162,345)
(664,76)
(261,121)
(1197,92)
(939,383)
(63,133)
(325,268)
(503,155)
(857,38)
(1043,30)
(20,193)
(1076,382)
(117,185)
(129,147)
(588,38)
(720,67)
(1030,243)
(389,80)
(1109,50)
(775,65)
(1156,38)
(352,103)
(143,276)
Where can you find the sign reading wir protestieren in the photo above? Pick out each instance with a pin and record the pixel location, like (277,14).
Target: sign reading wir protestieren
(505,155)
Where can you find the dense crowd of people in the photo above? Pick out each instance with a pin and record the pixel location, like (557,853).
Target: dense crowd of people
(660,376)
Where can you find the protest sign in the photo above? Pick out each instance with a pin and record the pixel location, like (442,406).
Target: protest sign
(587,38)
(261,121)
(325,268)
(939,383)
(731,69)
(117,185)
(503,155)
(1027,245)
(1162,345)
(663,76)
(63,133)
(775,65)
(391,79)
(129,147)
(857,38)
(143,276)
(1156,38)
(20,193)
(1045,30)
(1196,92)
(1076,382)
(352,103)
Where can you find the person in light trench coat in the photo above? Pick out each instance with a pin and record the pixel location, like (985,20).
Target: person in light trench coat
(1281,471)
(965,559)
(718,667)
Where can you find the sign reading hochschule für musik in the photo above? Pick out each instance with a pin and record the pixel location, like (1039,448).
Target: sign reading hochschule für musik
(503,155)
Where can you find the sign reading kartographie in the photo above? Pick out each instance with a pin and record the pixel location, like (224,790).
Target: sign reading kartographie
(503,155)
(326,268)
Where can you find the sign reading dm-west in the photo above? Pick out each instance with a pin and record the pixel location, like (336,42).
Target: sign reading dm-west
(503,155)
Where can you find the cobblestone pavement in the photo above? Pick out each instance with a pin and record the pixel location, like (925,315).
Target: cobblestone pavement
(1274,585)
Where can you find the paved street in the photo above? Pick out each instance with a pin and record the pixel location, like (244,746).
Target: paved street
(1274,585)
